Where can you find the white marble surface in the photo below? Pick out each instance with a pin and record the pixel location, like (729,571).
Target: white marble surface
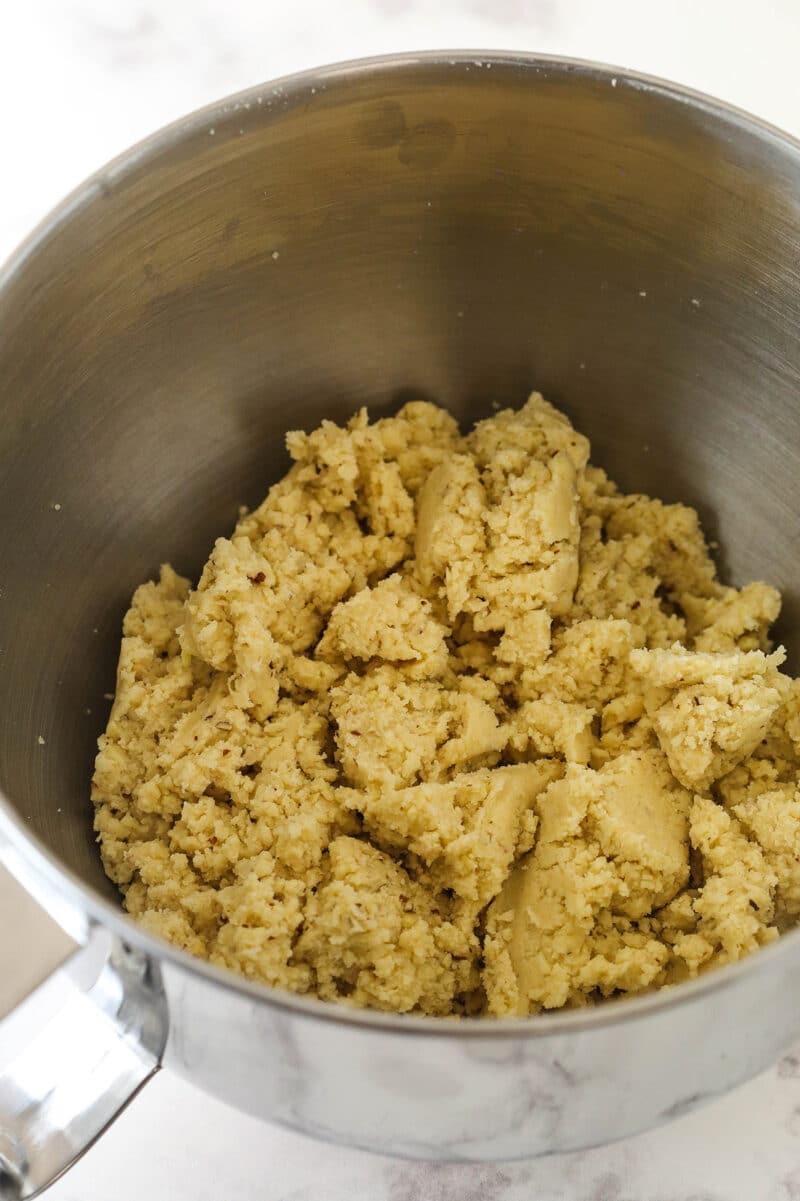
(82,79)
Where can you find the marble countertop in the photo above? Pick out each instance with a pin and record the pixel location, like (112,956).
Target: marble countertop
(82,79)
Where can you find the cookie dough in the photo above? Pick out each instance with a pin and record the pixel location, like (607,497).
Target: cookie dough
(451,725)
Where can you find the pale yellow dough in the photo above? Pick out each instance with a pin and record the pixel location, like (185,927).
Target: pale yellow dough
(451,725)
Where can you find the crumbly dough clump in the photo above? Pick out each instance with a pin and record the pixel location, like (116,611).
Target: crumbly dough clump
(451,725)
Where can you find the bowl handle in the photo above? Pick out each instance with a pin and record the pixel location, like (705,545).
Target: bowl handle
(82,1028)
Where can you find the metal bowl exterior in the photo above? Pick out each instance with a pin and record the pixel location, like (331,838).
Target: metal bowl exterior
(486,1093)
(464,227)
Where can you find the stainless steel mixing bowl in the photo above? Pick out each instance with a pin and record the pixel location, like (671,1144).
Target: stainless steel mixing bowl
(462,227)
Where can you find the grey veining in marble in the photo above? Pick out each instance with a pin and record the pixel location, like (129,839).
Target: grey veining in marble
(176,1142)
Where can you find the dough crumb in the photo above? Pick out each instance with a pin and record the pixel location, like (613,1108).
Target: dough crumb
(452,725)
